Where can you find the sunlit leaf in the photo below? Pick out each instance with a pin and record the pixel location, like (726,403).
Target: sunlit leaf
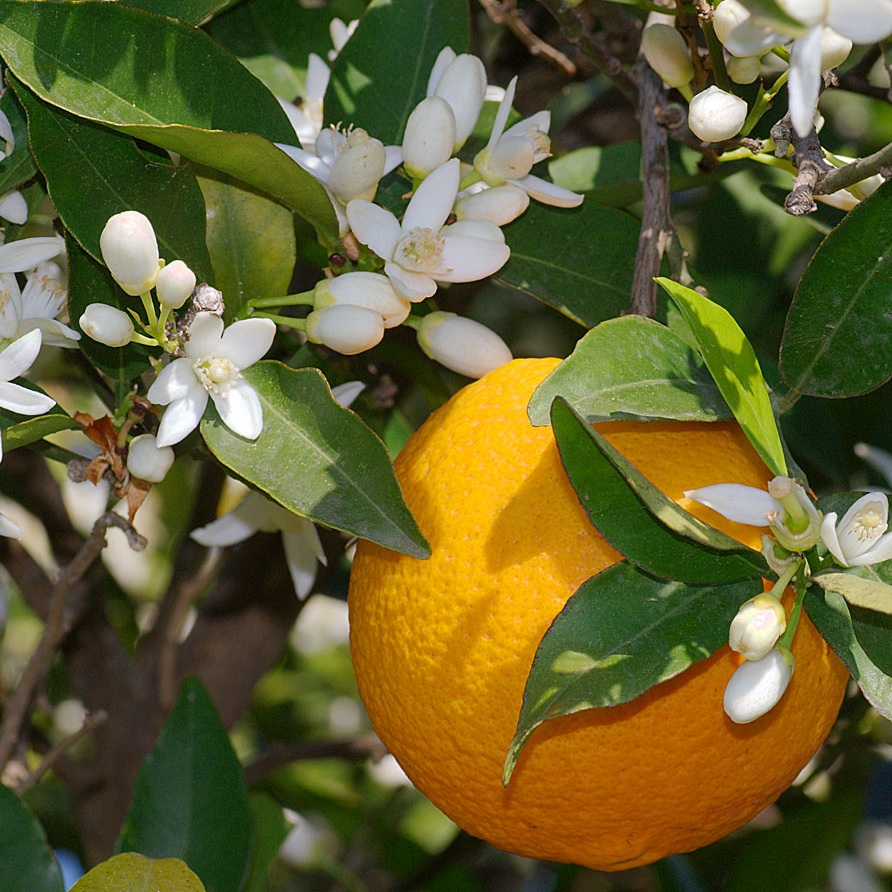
(871,594)
(137,873)
(20,430)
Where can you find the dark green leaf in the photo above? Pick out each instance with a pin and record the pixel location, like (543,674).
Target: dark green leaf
(871,594)
(832,618)
(270,830)
(118,176)
(317,459)
(734,368)
(190,800)
(631,367)
(376,87)
(587,279)
(161,81)
(838,337)
(90,282)
(191,12)
(19,167)
(136,873)
(20,430)
(27,863)
(645,526)
(619,635)
(251,240)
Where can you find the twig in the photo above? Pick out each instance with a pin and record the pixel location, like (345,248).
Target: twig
(357,749)
(808,157)
(842,177)
(57,625)
(505,12)
(655,223)
(49,760)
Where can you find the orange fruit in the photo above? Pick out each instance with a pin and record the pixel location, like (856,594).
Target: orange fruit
(442,648)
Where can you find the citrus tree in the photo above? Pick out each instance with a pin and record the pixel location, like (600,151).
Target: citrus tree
(620,605)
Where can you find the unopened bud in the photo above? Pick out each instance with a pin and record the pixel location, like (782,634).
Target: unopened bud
(345,328)
(743,69)
(715,115)
(148,461)
(363,289)
(835,49)
(726,17)
(499,205)
(757,626)
(463,86)
(174,284)
(358,169)
(461,344)
(429,137)
(108,325)
(130,251)
(757,686)
(668,54)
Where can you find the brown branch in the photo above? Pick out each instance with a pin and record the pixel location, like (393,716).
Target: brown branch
(655,221)
(57,625)
(848,175)
(811,166)
(505,12)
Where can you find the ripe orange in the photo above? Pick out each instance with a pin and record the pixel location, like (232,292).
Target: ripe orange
(442,647)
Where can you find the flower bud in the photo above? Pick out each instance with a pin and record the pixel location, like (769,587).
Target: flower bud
(363,289)
(130,251)
(835,49)
(345,328)
(726,17)
(668,54)
(743,69)
(757,626)
(175,283)
(499,204)
(148,461)
(358,169)
(510,159)
(429,137)
(463,86)
(757,686)
(108,325)
(715,115)
(461,344)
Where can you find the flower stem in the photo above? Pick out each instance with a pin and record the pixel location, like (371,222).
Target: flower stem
(287,321)
(796,611)
(305,298)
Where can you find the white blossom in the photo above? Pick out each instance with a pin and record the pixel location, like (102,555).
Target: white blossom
(459,80)
(757,686)
(757,626)
(419,252)
(363,289)
(130,251)
(667,53)
(147,460)
(306,118)
(174,284)
(497,204)
(346,328)
(715,115)
(461,344)
(212,367)
(10,530)
(429,137)
(106,324)
(13,206)
(861,537)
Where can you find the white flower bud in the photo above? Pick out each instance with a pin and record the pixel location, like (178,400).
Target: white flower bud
(429,137)
(363,289)
(461,344)
(668,54)
(345,328)
(835,49)
(715,115)
(174,284)
(130,251)
(358,169)
(757,686)
(727,16)
(108,325)
(757,626)
(148,461)
(510,159)
(743,69)
(463,86)
(499,204)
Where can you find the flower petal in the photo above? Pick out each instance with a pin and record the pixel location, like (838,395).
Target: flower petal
(862,21)
(831,540)
(433,199)
(174,382)
(498,125)
(226,530)
(20,399)
(302,554)
(347,392)
(19,356)
(742,504)
(26,253)
(13,207)
(240,410)
(468,259)
(881,551)
(205,334)
(246,341)
(805,80)
(374,227)
(549,193)
(311,163)
(182,417)
(411,286)
(9,529)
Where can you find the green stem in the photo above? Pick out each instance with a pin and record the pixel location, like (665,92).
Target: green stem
(716,55)
(305,298)
(149,306)
(762,104)
(413,322)
(796,611)
(287,321)
(469,179)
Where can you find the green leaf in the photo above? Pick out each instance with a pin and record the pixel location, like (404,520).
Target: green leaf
(587,279)
(90,282)
(872,594)
(270,829)
(163,82)
(838,336)
(19,167)
(21,430)
(190,800)
(251,240)
(382,72)
(645,526)
(620,634)
(318,459)
(732,363)
(191,12)
(631,367)
(137,873)
(27,863)
(118,176)
(830,614)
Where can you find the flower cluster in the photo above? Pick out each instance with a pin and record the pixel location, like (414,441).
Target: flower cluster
(449,232)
